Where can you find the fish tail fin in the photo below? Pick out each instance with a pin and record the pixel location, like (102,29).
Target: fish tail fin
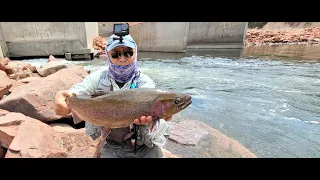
(75,117)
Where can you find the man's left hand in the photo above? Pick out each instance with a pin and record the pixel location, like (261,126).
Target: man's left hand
(146,120)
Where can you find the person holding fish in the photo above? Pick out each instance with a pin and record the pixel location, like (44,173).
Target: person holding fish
(145,136)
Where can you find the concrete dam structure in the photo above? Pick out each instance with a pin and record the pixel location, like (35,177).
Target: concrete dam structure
(36,39)
(74,39)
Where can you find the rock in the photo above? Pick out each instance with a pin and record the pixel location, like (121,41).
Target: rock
(186,133)
(50,68)
(29,79)
(77,143)
(2,152)
(5,84)
(286,36)
(223,146)
(20,74)
(35,139)
(9,124)
(15,84)
(168,154)
(16,66)
(19,70)
(2,67)
(3,112)
(51,58)
(214,145)
(99,43)
(35,98)
(4,61)
(61,127)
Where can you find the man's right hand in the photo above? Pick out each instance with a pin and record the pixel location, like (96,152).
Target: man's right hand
(61,107)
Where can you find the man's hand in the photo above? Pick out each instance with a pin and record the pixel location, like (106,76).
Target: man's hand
(146,120)
(61,108)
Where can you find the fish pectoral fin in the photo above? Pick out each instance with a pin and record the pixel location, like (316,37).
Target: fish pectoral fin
(76,119)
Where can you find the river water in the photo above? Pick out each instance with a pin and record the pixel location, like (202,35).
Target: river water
(267,98)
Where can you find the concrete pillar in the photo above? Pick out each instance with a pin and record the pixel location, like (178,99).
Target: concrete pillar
(161,36)
(92,31)
(49,38)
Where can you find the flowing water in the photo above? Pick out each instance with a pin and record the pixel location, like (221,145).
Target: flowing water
(267,98)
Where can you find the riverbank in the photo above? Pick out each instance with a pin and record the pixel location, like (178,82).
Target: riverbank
(258,37)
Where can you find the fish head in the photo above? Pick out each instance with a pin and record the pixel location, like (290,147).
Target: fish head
(169,103)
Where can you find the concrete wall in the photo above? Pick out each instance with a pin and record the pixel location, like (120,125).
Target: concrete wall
(105,28)
(161,36)
(215,34)
(46,38)
(3,46)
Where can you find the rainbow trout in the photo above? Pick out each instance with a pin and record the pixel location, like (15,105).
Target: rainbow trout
(118,109)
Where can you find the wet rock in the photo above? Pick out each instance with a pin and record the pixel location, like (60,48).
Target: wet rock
(5,84)
(186,133)
(9,125)
(214,145)
(35,98)
(50,68)
(222,146)
(35,139)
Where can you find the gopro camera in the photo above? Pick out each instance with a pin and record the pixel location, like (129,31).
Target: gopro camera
(120,30)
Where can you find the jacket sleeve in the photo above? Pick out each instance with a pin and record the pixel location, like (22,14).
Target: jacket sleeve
(146,82)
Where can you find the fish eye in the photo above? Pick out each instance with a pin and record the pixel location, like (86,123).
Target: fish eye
(177,101)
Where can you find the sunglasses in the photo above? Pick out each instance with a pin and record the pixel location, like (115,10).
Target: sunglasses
(117,55)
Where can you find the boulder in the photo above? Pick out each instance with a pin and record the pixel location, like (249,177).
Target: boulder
(5,84)
(186,133)
(15,84)
(77,143)
(35,98)
(207,143)
(9,125)
(30,79)
(3,112)
(50,68)
(224,146)
(35,139)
